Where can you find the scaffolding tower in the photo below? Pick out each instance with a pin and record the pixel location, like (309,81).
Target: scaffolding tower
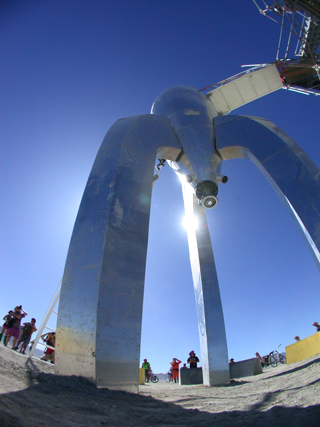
(297,57)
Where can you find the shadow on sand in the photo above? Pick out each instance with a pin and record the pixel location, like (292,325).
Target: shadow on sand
(72,401)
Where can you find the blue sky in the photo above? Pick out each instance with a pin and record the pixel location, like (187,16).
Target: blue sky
(69,70)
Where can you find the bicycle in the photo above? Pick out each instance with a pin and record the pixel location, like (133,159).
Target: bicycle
(275,357)
(169,378)
(153,378)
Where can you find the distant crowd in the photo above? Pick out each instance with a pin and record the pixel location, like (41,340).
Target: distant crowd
(21,337)
(21,334)
(193,361)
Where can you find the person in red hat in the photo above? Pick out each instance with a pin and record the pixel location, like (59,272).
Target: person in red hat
(146,366)
(317,326)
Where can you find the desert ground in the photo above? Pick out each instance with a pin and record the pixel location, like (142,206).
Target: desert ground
(31,395)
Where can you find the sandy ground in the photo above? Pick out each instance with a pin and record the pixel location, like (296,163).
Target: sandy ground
(31,395)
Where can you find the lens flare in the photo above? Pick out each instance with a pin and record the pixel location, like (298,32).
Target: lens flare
(190,222)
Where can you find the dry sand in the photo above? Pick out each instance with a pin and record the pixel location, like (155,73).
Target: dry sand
(31,395)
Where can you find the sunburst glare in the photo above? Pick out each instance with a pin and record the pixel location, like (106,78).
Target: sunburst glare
(190,222)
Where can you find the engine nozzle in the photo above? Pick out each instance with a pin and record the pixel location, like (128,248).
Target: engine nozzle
(206,192)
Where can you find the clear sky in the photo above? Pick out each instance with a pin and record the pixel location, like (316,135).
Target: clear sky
(69,70)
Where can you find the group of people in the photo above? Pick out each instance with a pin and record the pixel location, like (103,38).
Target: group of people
(12,328)
(315,324)
(21,334)
(193,361)
(264,359)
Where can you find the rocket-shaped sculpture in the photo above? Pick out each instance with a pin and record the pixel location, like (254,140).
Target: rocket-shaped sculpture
(100,309)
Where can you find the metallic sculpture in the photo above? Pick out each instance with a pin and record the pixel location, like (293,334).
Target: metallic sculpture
(100,312)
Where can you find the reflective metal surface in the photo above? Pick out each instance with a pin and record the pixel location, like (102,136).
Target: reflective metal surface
(191,114)
(100,310)
(213,343)
(292,174)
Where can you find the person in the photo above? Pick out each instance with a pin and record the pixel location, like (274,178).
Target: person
(184,366)
(175,368)
(231,361)
(317,326)
(262,359)
(14,324)
(192,359)
(146,366)
(5,326)
(50,340)
(25,337)
(297,338)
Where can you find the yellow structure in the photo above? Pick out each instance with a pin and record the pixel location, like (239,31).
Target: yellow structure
(141,376)
(303,349)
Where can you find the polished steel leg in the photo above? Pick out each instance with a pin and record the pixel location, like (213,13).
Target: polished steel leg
(100,310)
(292,174)
(212,334)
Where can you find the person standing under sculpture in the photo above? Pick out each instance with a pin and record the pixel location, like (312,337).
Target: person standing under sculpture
(175,368)
(193,359)
(146,366)
(5,326)
(14,330)
(50,340)
(25,337)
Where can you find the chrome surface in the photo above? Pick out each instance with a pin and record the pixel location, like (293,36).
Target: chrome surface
(191,114)
(100,309)
(206,192)
(212,335)
(289,170)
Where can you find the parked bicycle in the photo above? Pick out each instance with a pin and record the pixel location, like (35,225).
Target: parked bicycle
(169,379)
(275,357)
(153,378)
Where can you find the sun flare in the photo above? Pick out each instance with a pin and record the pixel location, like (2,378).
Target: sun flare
(190,222)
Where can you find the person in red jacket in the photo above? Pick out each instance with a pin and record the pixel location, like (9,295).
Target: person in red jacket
(175,368)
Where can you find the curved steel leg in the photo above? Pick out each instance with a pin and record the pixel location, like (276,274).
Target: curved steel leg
(212,334)
(100,310)
(292,174)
